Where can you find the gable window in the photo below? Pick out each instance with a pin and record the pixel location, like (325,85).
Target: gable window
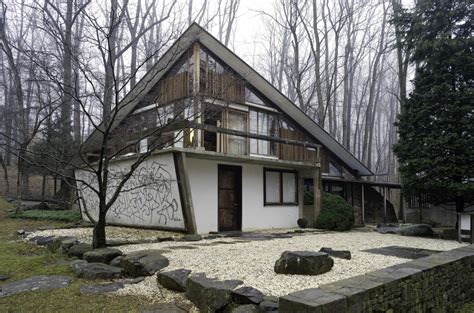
(280,187)
(263,123)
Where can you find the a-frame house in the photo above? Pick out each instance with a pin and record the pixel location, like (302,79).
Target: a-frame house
(233,152)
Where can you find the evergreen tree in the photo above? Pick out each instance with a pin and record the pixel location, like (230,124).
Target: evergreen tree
(436,123)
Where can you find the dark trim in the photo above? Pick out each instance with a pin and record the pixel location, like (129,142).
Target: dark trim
(184,192)
(280,171)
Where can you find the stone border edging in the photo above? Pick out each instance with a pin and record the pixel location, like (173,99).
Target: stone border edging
(443,281)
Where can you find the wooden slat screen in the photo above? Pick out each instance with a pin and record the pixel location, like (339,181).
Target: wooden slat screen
(225,86)
(292,152)
(173,88)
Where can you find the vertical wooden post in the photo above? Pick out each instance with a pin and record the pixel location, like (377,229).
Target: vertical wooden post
(384,192)
(402,207)
(363,204)
(196,94)
(185,192)
(317,185)
(301,195)
(471,239)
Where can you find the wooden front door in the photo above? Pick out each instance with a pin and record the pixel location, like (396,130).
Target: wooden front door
(229,197)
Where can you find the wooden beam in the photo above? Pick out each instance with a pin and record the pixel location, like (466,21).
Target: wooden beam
(317,199)
(239,133)
(363,203)
(184,187)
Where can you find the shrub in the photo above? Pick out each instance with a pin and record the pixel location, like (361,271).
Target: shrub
(336,213)
(308,197)
(49,215)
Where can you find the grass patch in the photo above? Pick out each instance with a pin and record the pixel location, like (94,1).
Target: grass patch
(49,215)
(20,260)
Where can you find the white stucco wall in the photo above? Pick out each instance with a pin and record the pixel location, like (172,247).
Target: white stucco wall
(203,181)
(150,198)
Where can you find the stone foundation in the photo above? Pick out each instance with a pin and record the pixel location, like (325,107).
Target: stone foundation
(437,283)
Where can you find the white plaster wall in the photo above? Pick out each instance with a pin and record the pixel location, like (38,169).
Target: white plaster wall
(203,181)
(150,198)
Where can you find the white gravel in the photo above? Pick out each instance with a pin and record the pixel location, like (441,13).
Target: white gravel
(84,234)
(253,262)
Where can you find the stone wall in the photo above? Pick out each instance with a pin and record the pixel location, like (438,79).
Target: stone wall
(438,283)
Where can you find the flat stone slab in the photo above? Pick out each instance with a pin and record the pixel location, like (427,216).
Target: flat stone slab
(342,254)
(34,283)
(144,262)
(104,255)
(82,269)
(402,252)
(312,300)
(174,280)
(247,295)
(303,263)
(194,237)
(182,247)
(42,240)
(4,277)
(210,295)
(167,308)
(101,288)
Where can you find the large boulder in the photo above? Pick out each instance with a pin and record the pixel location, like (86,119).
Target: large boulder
(391,228)
(342,254)
(79,250)
(210,295)
(104,255)
(144,263)
(174,280)
(419,230)
(303,263)
(82,269)
(247,295)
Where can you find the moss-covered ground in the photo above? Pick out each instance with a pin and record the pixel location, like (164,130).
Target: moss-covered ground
(20,260)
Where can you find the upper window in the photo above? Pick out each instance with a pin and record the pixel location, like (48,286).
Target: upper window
(280,187)
(263,123)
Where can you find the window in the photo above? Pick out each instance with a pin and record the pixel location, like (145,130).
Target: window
(280,187)
(237,121)
(263,123)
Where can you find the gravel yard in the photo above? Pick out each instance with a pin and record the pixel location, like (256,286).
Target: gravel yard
(84,234)
(252,261)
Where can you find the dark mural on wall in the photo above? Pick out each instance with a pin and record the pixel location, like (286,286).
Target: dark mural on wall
(149,198)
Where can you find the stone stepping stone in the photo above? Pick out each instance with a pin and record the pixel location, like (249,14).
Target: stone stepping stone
(82,269)
(4,277)
(303,263)
(342,254)
(42,240)
(174,280)
(167,308)
(182,247)
(101,288)
(194,237)
(210,295)
(104,255)
(144,262)
(247,295)
(41,282)
(402,252)
(79,250)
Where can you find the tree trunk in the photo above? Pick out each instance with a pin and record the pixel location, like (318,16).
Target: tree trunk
(99,238)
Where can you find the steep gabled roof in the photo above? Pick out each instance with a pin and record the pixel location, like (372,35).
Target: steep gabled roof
(197,33)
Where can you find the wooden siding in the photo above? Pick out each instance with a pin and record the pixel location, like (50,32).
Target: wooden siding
(295,153)
(173,88)
(224,86)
